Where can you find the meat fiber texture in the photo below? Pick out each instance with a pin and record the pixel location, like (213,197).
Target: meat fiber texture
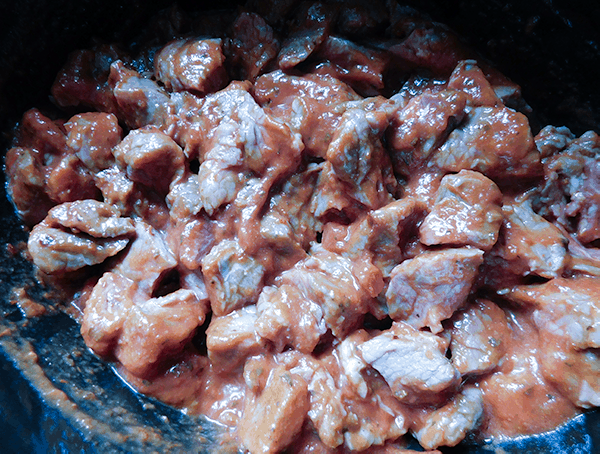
(319,235)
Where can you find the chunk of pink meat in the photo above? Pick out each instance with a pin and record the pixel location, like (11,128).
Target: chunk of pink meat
(570,194)
(147,259)
(272,419)
(150,157)
(306,38)
(479,334)
(568,308)
(93,136)
(466,212)
(358,169)
(140,101)
(426,290)
(448,425)
(413,363)
(191,64)
(105,312)
(83,81)
(26,185)
(321,288)
(311,105)
(97,219)
(252,47)
(378,235)
(495,141)
(423,125)
(232,338)
(468,78)
(156,329)
(531,244)
(233,278)
(243,139)
(359,66)
(78,234)
(288,318)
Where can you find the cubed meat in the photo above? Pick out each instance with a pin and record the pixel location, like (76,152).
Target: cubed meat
(68,180)
(518,388)
(197,240)
(311,105)
(44,135)
(468,78)
(195,65)
(531,244)
(288,318)
(552,140)
(351,407)
(289,224)
(116,188)
(568,308)
(448,425)
(423,125)
(97,219)
(78,234)
(147,259)
(92,136)
(495,141)
(413,363)
(252,46)
(150,157)
(360,67)
(242,139)
(26,185)
(183,199)
(272,420)
(233,279)
(219,182)
(571,191)
(432,46)
(426,290)
(379,235)
(466,212)
(373,414)
(105,312)
(575,373)
(304,39)
(233,338)
(157,329)
(479,335)
(140,101)
(360,167)
(43,171)
(330,281)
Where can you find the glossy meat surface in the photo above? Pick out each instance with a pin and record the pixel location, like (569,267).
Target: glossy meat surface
(322,226)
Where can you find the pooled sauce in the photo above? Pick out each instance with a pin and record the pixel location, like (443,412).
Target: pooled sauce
(323,233)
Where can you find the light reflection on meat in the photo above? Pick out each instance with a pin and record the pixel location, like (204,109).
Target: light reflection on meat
(323,227)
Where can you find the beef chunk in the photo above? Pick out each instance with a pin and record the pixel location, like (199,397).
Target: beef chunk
(466,212)
(426,290)
(413,363)
(195,65)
